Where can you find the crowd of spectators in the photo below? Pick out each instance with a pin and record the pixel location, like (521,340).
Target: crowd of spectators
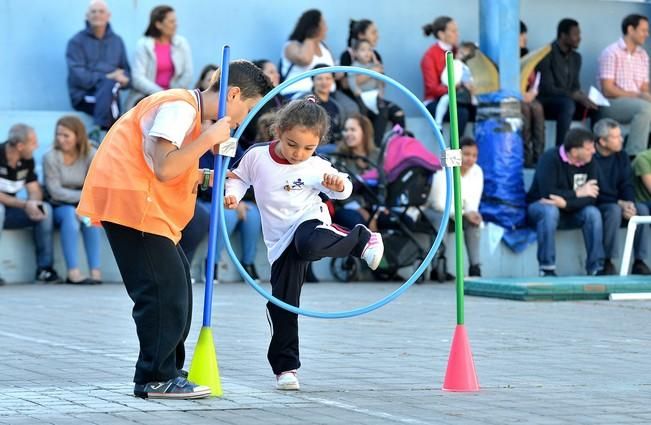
(593,181)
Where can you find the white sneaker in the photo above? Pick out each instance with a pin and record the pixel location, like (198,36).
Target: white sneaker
(373,251)
(287,381)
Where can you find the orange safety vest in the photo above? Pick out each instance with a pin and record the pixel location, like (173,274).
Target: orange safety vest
(121,187)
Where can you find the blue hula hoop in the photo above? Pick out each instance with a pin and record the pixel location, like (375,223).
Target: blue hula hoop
(437,242)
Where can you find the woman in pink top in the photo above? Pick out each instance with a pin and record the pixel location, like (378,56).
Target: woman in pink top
(162,58)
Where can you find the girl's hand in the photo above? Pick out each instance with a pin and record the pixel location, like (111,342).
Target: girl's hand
(333,182)
(230,202)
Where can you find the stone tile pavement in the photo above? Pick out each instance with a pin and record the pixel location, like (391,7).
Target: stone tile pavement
(68,355)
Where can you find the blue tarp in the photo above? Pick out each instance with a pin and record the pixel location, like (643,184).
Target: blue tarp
(498,132)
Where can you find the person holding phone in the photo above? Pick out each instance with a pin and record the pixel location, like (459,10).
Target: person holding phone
(17,173)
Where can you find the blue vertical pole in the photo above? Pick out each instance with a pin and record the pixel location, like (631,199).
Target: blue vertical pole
(509,53)
(489,28)
(217,198)
(499,32)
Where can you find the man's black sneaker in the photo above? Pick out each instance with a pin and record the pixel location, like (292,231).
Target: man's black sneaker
(47,275)
(2,281)
(178,388)
(474,271)
(183,373)
(608,269)
(250,269)
(640,267)
(547,273)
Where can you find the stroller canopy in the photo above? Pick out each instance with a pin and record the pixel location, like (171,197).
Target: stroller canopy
(401,153)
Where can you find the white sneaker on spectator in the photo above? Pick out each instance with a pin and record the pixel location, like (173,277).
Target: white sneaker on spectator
(373,251)
(287,381)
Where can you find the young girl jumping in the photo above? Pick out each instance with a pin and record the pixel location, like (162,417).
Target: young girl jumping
(288,177)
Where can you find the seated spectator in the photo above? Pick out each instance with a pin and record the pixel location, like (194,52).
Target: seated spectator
(205,77)
(533,115)
(65,168)
(162,60)
(304,50)
(472,182)
(363,29)
(446,32)
(560,90)
(371,91)
(642,180)
(356,146)
(17,173)
(464,81)
(269,69)
(563,195)
(97,67)
(246,218)
(322,85)
(616,199)
(624,77)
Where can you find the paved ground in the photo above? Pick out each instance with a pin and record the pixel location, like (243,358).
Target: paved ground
(69,353)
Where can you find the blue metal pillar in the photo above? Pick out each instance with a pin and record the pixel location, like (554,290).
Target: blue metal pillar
(499,31)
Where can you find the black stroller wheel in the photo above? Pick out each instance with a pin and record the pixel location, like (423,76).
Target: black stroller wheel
(345,269)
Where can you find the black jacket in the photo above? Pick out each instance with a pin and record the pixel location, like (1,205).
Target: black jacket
(554,176)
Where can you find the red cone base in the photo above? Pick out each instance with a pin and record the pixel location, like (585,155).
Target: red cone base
(460,375)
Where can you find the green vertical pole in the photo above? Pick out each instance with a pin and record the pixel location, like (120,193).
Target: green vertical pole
(456,178)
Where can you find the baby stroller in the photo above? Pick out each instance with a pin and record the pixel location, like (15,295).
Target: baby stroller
(397,187)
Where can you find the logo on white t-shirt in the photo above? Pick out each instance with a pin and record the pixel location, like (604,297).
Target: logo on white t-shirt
(297,184)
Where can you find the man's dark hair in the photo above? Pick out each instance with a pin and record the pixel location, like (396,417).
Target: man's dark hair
(523,28)
(632,20)
(565,26)
(576,137)
(248,77)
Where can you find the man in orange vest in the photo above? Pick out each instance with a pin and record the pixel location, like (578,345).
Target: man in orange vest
(142,187)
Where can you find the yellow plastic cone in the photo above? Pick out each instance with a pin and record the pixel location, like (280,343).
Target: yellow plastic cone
(204,369)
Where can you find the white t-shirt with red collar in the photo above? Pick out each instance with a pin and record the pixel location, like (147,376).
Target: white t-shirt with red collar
(287,194)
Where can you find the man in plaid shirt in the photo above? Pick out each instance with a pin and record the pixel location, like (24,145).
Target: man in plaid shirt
(624,77)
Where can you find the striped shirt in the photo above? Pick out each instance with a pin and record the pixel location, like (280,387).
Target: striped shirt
(13,180)
(628,71)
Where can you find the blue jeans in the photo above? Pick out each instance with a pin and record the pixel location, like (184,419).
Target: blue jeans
(101,109)
(197,229)
(613,220)
(547,218)
(66,218)
(560,109)
(16,218)
(348,218)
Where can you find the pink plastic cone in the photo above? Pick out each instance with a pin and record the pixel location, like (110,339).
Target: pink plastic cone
(460,375)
